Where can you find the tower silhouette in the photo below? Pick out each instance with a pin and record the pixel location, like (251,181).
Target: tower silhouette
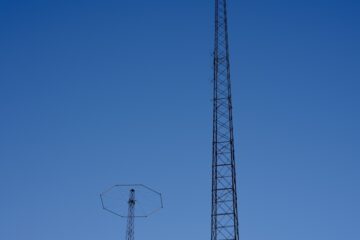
(120,200)
(131,215)
(224,215)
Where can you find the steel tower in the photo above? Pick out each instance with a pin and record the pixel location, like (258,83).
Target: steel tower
(131,216)
(224,216)
(120,200)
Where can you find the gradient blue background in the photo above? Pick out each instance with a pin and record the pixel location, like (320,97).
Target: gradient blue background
(94,93)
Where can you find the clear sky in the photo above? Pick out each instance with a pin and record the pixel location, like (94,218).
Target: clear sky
(94,93)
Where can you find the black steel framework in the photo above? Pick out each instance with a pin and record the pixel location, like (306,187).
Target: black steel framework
(224,216)
(116,200)
(131,216)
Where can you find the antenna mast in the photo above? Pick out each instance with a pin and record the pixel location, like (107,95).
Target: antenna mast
(224,216)
(131,215)
(120,200)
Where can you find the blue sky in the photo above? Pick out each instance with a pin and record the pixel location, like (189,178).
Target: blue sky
(94,93)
